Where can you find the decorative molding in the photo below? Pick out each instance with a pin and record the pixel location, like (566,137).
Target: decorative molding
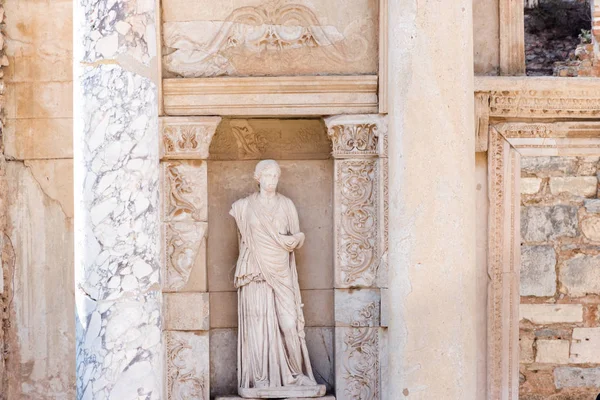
(503,268)
(184,251)
(188,137)
(271,96)
(187,365)
(540,97)
(383,56)
(482,119)
(356,221)
(185,191)
(512,37)
(507,143)
(357,136)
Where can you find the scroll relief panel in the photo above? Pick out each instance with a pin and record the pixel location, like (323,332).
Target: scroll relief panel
(269,38)
(360,214)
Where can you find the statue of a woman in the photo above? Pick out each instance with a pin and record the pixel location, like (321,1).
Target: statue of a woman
(272,355)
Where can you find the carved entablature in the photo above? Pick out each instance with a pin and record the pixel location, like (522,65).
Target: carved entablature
(187,138)
(358,135)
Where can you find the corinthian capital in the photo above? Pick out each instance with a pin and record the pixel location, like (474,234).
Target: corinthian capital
(363,135)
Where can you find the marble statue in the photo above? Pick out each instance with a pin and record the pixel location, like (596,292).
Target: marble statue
(273,359)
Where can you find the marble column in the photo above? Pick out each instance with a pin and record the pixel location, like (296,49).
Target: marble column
(117,232)
(434,337)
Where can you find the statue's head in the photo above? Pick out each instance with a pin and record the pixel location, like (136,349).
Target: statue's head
(267,174)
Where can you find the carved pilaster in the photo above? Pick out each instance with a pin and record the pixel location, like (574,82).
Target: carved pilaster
(187,365)
(187,137)
(360,151)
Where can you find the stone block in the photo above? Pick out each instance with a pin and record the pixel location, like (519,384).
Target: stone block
(223,362)
(186,311)
(39,138)
(187,365)
(185,191)
(591,228)
(184,256)
(549,166)
(309,185)
(525,350)
(278,139)
(326,397)
(530,185)
(541,224)
(552,351)
(583,186)
(320,344)
(592,205)
(357,361)
(224,310)
(573,377)
(385,307)
(585,346)
(44,100)
(39,241)
(580,275)
(202,44)
(551,313)
(538,273)
(357,307)
(550,333)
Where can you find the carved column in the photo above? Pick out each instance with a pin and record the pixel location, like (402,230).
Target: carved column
(116,163)
(184,181)
(360,204)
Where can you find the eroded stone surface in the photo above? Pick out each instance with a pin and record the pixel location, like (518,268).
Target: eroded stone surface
(552,351)
(584,186)
(585,346)
(538,274)
(566,377)
(357,307)
(591,228)
(551,313)
(580,275)
(187,311)
(539,224)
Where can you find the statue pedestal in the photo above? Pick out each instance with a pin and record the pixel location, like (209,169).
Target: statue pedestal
(283,392)
(328,397)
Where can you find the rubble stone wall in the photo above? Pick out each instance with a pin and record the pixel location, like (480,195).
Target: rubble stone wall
(560,279)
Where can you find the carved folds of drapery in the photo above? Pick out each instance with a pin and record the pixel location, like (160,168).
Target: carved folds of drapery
(360,214)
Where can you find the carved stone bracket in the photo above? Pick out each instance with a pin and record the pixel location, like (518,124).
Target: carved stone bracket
(187,137)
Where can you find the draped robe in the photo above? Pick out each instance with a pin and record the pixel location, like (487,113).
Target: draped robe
(271,343)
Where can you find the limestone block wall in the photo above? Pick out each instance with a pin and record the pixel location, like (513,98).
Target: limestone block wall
(36,197)
(560,280)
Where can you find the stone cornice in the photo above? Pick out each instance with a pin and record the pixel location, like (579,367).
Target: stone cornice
(272,96)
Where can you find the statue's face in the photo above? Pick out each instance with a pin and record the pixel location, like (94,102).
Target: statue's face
(269,179)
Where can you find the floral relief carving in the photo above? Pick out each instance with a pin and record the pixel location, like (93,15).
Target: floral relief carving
(533,103)
(185,193)
(250,145)
(185,138)
(355,139)
(357,228)
(360,365)
(278,35)
(187,377)
(184,242)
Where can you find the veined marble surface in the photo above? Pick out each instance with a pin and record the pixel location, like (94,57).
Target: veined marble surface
(117,271)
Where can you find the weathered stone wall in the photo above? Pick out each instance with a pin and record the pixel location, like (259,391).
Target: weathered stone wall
(38,230)
(560,278)
(5,257)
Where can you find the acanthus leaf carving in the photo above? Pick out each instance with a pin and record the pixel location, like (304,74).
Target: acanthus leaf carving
(187,138)
(184,242)
(185,190)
